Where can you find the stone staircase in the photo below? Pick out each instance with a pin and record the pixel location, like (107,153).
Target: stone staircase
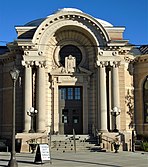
(60,143)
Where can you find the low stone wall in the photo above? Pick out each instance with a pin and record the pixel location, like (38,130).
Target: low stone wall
(124,139)
(31,137)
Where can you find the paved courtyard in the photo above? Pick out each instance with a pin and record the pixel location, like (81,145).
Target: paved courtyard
(81,159)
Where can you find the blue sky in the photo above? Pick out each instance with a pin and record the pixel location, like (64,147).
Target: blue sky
(133,14)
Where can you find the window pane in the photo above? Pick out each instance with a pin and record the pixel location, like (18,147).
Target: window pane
(63,93)
(70,93)
(64,116)
(77,93)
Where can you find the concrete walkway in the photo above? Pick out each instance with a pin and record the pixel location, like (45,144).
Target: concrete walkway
(81,159)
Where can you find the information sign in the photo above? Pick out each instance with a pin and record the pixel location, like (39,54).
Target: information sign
(42,153)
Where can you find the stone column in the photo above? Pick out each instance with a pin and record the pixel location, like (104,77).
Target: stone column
(85,107)
(56,106)
(115,90)
(102,97)
(28,94)
(41,97)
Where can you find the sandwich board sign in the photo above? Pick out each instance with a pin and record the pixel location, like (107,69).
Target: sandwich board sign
(42,153)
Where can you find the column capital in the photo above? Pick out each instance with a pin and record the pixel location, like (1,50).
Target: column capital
(115,63)
(27,64)
(102,63)
(41,64)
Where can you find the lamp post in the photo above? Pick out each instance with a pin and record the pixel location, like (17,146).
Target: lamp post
(115,112)
(32,113)
(12,162)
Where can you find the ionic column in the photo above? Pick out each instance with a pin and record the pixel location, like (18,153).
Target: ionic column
(102,98)
(41,99)
(115,90)
(28,94)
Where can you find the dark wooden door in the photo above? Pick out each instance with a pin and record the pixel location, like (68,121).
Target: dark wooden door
(71,110)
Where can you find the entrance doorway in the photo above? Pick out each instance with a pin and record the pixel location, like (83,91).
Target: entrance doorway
(70,110)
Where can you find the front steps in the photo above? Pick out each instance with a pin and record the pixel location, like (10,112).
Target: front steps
(60,143)
(66,143)
(63,143)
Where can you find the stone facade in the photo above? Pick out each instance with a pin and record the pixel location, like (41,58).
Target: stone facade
(94,71)
(140,76)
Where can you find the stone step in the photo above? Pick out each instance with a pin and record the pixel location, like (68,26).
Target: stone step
(68,137)
(61,143)
(64,143)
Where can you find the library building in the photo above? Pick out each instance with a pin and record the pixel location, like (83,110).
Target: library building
(74,74)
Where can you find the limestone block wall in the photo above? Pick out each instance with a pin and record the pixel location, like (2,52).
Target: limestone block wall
(126,85)
(140,73)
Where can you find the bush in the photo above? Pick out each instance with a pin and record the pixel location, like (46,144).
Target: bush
(144,146)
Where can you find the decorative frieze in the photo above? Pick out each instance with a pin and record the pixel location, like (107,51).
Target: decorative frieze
(108,52)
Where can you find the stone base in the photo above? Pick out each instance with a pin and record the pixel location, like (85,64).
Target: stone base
(31,137)
(107,140)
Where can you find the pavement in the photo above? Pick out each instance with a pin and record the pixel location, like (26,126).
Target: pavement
(80,159)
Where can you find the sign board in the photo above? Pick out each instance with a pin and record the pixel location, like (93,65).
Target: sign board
(42,153)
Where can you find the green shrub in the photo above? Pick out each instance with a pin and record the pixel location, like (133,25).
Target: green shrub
(144,146)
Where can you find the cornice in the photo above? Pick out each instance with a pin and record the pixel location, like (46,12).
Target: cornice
(141,59)
(7,58)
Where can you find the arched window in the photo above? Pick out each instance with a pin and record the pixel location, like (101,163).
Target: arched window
(145,99)
(70,50)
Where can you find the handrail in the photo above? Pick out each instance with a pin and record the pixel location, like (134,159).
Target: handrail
(37,138)
(43,137)
(108,137)
(112,140)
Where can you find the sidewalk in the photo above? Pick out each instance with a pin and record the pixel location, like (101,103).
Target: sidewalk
(81,159)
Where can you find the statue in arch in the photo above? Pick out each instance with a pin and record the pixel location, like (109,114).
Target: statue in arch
(70,64)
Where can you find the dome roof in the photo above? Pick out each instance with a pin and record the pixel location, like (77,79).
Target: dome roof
(36,22)
(104,23)
(69,10)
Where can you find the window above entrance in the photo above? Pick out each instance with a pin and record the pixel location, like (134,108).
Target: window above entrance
(70,50)
(70,93)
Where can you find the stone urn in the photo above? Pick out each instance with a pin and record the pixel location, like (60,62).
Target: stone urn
(32,144)
(116,147)
(33,147)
